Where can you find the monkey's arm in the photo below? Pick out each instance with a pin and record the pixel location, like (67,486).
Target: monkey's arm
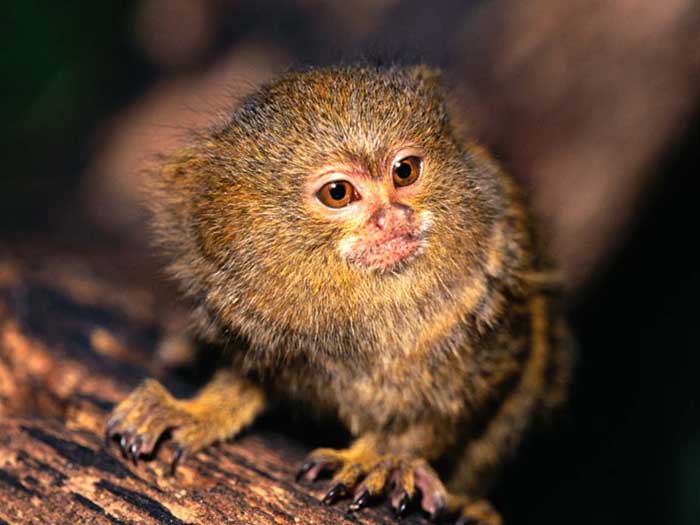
(220,410)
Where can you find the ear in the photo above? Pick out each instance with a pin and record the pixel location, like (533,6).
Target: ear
(427,75)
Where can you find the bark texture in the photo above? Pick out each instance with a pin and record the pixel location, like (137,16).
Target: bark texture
(71,345)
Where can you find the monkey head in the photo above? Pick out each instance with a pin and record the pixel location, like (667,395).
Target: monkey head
(330,199)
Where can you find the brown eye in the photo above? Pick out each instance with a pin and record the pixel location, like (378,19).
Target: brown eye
(406,171)
(336,194)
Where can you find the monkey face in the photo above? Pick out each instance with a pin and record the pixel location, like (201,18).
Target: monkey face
(384,228)
(330,198)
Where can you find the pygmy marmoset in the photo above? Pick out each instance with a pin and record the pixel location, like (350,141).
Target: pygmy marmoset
(380,267)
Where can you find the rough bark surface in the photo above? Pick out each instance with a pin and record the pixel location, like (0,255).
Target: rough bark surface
(71,345)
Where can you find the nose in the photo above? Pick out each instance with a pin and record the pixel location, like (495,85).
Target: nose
(392,216)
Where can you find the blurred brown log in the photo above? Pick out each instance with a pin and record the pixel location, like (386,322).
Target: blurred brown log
(71,345)
(581,99)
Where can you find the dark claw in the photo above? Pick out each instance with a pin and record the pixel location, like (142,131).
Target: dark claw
(135,449)
(304,469)
(400,511)
(178,456)
(123,445)
(337,492)
(360,501)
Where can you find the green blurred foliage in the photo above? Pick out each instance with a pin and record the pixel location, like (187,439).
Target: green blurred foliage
(52,56)
(63,67)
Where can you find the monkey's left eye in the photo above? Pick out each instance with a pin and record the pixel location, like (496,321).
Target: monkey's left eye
(337,194)
(406,171)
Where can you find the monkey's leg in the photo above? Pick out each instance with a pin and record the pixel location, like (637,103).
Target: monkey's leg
(220,410)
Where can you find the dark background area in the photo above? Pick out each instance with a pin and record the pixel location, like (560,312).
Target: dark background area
(77,75)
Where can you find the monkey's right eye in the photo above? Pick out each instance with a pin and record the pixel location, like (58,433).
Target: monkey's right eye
(336,194)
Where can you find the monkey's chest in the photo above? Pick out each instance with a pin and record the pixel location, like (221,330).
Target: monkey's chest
(370,396)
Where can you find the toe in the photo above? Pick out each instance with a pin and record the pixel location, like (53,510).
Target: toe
(349,475)
(376,479)
(403,487)
(433,492)
(318,462)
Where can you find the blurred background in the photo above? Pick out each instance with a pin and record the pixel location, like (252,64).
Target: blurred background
(593,105)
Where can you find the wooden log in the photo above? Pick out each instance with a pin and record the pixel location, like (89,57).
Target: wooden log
(71,345)
(582,94)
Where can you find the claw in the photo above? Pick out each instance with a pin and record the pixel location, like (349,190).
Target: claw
(123,445)
(360,501)
(400,510)
(135,448)
(337,492)
(304,469)
(178,456)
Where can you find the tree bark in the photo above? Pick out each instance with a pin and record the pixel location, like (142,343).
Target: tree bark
(72,345)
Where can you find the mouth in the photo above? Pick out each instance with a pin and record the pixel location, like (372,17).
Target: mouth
(387,253)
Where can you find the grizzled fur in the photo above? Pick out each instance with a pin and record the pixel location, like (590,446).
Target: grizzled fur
(453,354)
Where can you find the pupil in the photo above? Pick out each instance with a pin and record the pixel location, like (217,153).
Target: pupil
(337,192)
(403,170)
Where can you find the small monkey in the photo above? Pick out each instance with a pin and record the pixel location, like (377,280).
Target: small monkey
(380,267)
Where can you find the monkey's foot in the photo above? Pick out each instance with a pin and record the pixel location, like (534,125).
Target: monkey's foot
(219,411)
(143,417)
(364,475)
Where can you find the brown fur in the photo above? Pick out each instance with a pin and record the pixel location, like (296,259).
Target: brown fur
(449,355)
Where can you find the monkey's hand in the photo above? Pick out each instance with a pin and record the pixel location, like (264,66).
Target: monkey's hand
(220,410)
(365,474)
